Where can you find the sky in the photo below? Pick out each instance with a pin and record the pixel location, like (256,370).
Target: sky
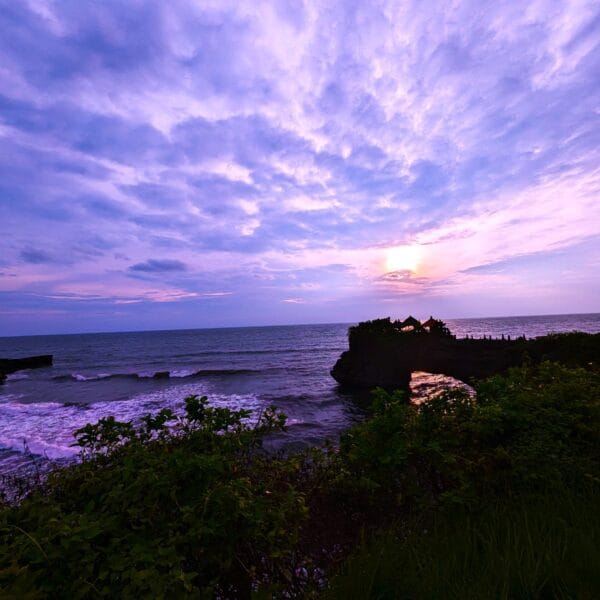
(205,164)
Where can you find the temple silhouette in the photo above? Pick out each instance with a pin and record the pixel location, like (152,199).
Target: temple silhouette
(384,353)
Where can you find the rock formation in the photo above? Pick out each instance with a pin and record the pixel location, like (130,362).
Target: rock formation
(384,353)
(11,365)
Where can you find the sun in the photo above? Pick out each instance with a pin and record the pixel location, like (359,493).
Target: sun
(403,258)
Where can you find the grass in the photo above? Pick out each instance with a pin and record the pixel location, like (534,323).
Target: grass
(546,546)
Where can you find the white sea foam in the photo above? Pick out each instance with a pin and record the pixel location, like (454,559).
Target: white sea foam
(10,397)
(80,377)
(181,373)
(424,386)
(19,375)
(46,428)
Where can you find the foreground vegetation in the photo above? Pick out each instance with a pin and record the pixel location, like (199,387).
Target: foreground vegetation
(542,546)
(486,496)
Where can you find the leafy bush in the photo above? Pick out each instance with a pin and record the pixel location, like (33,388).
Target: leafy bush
(191,507)
(177,507)
(536,428)
(487,496)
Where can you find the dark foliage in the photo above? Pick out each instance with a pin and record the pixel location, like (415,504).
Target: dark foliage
(155,511)
(191,507)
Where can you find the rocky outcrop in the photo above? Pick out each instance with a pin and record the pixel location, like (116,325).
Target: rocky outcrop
(383,354)
(161,375)
(11,365)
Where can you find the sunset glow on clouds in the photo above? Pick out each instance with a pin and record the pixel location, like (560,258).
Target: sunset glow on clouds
(191,164)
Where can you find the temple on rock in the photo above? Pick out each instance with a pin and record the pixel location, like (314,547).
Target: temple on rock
(384,353)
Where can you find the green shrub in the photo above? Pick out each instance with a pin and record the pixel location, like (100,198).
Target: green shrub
(493,495)
(191,507)
(535,428)
(177,507)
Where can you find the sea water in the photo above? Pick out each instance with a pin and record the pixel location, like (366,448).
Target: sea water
(96,375)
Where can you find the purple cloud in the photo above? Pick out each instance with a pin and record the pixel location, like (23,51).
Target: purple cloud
(35,256)
(157,265)
(257,147)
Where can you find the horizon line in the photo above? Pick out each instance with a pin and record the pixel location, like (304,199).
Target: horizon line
(282,325)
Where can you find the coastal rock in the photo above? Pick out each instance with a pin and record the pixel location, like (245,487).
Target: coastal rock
(384,353)
(12,365)
(161,375)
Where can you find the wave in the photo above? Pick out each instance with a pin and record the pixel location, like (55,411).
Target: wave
(11,397)
(157,375)
(244,352)
(290,398)
(46,428)
(16,376)
(79,377)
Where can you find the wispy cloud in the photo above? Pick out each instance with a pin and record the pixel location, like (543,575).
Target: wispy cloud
(254,146)
(157,265)
(35,257)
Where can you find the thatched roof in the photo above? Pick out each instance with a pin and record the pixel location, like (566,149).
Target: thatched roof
(410,321)
(430,322)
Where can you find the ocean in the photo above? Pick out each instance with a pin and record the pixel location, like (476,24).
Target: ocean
(96,375)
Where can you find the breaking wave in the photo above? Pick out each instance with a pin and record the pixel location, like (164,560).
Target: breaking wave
(175,374)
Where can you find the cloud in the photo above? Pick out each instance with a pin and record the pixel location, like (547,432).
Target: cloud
(252,144)
(157,265)
(403,276)
(35,256)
